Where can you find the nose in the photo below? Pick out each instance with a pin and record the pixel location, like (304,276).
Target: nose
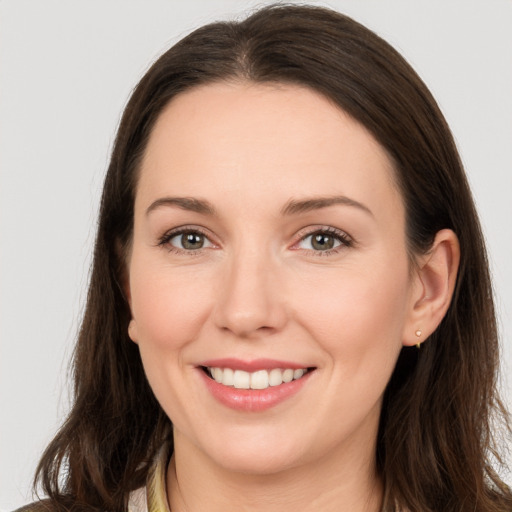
(250,299)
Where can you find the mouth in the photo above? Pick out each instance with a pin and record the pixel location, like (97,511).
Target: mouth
(254,385)
(257,380)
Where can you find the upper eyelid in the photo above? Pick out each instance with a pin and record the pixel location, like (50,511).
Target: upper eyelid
(188,228)
(345,239)
(171,233)
(311,230)
(299,235)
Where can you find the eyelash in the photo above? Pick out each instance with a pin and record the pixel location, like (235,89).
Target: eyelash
(169,235)
(345,241)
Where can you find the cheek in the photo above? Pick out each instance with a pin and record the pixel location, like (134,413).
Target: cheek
(167,306)
(167,311)
(358,327)
(357,316)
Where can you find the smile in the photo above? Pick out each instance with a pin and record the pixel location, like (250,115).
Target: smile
(261,379)
(254,385)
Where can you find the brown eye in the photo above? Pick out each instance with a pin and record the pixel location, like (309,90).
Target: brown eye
(325,240)
(192,241)
(189,241)
(322,241)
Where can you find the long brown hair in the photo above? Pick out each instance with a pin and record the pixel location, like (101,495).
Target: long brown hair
(441,411)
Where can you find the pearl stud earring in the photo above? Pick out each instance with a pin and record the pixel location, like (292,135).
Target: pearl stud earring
(418,334)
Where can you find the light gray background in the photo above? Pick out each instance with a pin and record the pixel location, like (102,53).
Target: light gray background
(67,68)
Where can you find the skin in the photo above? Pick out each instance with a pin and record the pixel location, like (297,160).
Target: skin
(258,288)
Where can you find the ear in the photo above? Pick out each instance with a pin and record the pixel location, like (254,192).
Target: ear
(124,276)
(434,280)
(132,331)
(132,326)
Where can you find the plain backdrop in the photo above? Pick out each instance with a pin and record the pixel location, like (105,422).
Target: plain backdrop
(66,70)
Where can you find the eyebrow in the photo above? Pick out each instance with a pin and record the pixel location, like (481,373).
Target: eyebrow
(316,203)
(290,208)
(185,203)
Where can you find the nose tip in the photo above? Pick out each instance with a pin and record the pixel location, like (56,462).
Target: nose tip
(249,302)
(246,325)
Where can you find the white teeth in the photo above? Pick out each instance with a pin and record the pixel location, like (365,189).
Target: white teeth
(228,377)
(297,374)
(260,379)
(275,377)
(288,375)
(217,374)
(241,379)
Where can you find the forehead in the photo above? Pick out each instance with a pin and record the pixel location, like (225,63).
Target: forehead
(244,138)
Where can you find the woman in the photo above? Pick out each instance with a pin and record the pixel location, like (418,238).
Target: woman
(290,303)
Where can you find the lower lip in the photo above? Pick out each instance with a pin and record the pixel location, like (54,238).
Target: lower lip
(255,400)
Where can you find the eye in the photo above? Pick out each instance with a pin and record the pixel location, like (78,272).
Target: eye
(189,241)
(324,240)
(185,240)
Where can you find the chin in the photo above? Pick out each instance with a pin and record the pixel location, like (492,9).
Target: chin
(260,465)
(270,456)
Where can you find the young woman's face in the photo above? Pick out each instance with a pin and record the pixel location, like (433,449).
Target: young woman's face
(269,245)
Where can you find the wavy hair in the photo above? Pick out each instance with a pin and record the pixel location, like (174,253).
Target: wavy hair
(435,449)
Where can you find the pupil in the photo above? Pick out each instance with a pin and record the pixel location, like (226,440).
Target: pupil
(192,241)
(322,242)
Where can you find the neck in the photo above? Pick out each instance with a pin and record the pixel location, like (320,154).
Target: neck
(333,483)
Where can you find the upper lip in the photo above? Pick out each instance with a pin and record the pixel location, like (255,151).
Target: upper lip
(253,365)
